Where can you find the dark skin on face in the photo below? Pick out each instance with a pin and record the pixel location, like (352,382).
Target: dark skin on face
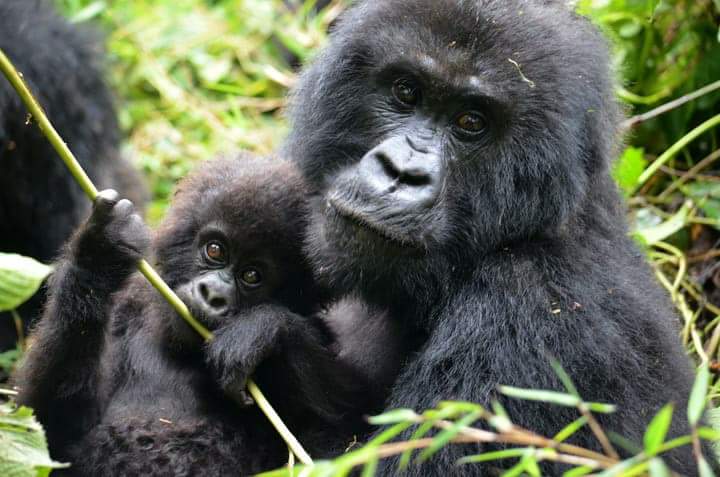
(461,152)
(123,386)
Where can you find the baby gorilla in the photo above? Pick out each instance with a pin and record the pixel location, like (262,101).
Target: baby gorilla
(125,387)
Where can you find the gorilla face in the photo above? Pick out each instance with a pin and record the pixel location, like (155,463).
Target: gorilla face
(231,241)
(433,133)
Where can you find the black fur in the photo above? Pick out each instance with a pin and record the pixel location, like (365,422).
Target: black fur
(40,204)
(125,387)
(499,245)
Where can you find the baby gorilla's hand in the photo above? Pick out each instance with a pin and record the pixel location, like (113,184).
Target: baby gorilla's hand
(113,239)
(241,345)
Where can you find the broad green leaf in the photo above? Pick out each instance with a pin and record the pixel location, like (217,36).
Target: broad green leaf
(628,168)
(552,397)
(23,448)
(658,429)
(653,235)
(20,278)
(696,404)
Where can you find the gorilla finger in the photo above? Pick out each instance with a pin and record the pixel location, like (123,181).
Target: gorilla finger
(104,203)
(135,235)
(124,208)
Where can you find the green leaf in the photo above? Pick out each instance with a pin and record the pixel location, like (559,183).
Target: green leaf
(492,456)
(390,433)
(579,471)
(448,434)
(23,448)
(658,468)
(564,377)
(553,397)
(653,235)
(658,429)
(600,407)
(698,396)
(628,168)
(391,417)
(708,434)
(569,430)
(20,278)
(704,468)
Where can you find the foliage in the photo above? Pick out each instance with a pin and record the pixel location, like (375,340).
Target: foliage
(20,278)
(200,77)
(23,448)
(499,439)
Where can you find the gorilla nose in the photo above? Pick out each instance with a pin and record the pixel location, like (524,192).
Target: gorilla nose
(400,169)
(215,294)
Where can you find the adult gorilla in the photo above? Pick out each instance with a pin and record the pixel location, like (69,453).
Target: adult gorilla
(461,150)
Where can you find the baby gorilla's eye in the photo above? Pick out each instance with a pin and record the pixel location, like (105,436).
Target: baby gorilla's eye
(215,252)
(471,122)
(406,92)
(251,277)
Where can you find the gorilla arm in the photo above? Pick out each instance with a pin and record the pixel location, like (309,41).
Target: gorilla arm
(60,374)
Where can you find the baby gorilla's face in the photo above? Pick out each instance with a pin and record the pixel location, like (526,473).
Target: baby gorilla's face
(232,272)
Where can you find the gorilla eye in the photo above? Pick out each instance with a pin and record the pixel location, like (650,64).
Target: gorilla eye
(215,252)
(471,122)
(251,277)
(406,92)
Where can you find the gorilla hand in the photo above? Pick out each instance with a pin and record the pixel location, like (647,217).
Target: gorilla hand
(241,345)
(113,239)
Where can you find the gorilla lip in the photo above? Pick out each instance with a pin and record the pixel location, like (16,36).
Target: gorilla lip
(360,220)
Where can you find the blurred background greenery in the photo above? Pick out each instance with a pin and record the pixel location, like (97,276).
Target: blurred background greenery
(195,78)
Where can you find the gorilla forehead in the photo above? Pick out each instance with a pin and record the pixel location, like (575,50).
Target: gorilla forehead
(519,51)
(253,198)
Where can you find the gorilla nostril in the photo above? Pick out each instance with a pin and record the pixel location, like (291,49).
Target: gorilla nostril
(415,178)
(204,292)
(387,165)
(218,302)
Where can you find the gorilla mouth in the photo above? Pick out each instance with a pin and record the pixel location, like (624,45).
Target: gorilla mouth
(361,220)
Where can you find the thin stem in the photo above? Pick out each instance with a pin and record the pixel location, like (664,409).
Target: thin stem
(599,433)
(278,424)
(669,106)
(157,282)
(15,79)
(677,147)
(19,328)
(690,174)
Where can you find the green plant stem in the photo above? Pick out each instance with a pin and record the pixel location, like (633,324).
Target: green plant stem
(675,148)
(19,328)
(15,79)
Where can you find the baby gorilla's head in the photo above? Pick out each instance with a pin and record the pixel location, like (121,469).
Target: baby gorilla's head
(232,240)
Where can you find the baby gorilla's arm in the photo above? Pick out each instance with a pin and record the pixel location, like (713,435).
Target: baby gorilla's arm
(60,373)
(288,355)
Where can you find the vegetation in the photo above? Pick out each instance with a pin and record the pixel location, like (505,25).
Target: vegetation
(199,77)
